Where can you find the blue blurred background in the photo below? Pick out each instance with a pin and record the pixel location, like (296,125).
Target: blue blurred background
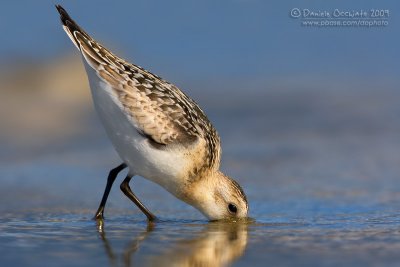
(309,119)
(276,91)
(239,43)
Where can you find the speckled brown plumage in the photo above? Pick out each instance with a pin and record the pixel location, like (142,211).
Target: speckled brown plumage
(160,110)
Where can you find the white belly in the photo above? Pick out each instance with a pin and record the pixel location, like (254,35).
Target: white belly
(164,166)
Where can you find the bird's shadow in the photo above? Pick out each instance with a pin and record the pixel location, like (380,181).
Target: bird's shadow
(213,244)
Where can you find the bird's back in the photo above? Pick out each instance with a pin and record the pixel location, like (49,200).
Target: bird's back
(152,124)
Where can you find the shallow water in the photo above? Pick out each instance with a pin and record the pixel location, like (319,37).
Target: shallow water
(65,239)
(321,171)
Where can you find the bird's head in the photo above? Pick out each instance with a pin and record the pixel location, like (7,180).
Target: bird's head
(219,197)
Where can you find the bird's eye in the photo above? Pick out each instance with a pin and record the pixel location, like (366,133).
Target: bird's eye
(232,208)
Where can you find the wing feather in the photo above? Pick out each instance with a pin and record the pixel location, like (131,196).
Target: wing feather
(147,99)
(159,110)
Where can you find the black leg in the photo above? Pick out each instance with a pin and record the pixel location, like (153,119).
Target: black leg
(128,192)
(110,180)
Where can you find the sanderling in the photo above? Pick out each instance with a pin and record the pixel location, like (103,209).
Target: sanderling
(159,132)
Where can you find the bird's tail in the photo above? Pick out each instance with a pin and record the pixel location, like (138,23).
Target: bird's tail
(94,53)
(71,27)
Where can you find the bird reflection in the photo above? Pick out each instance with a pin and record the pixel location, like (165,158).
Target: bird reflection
(217,244)
(107,246)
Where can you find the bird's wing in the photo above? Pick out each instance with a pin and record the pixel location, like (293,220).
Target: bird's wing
(160,111)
